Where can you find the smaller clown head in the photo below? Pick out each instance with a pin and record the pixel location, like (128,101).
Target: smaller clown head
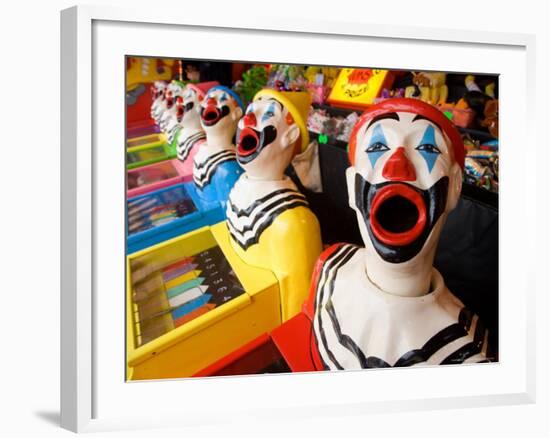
(157,90)
(188,103)
(406,175)
(272,131)
(173,91)
(220,110)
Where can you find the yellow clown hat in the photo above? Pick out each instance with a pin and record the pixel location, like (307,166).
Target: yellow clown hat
(297,103)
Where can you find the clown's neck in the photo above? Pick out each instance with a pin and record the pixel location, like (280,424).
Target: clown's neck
(188,131)
(191,122)
(219,141)
(409,279)
(264,184)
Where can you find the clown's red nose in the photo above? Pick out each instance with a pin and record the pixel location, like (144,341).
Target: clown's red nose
(211,101)
(249,120)
(398,167)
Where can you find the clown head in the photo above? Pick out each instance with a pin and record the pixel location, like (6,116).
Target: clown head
(188,104)
(157,90)
(157,96)
(173,91)
(272,131)
(220,111)
(406,175)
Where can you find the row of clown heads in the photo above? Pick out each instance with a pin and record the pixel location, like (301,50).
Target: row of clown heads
(375,306)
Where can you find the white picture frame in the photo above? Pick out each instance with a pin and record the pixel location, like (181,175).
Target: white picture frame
(91,393)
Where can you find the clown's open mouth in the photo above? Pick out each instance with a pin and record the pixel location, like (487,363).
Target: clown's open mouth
(399,217)
(211,114)
(251,142)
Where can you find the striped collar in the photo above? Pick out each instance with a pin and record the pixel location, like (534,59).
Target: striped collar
(186,141)
(205,164)
(357,325)
(254,205)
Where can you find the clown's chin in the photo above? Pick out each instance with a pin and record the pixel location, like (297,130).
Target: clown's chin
(399,217)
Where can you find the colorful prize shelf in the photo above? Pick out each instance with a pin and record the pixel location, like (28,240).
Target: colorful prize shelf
(156,176)
(191,302)
(146,140)
(142,128)
(148,154)
(167,213)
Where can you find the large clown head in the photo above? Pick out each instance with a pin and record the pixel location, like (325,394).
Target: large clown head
(406,175)
(271,132)
(220,111)
(188,104)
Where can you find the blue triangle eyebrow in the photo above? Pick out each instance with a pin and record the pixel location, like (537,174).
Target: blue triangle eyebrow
(270,108)
(223,98)
(429,138)
(377,137)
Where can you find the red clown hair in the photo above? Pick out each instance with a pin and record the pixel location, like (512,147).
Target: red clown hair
(414,106)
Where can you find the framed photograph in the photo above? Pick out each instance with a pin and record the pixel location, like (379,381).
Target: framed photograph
(291,218)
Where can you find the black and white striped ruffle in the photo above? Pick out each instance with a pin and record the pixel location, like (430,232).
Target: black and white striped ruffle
(464,341)
(184,148)
(202,172)
(247,225)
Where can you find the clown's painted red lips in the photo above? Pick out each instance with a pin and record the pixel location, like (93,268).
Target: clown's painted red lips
(398,215)
(210,115)
(248,142)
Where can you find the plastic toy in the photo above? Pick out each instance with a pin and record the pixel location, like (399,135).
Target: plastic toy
(491,117)
(268,219)
(254,79)
(215,167)
(432,87)
(385,305)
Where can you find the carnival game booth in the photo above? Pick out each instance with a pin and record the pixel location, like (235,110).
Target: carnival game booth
(199,301)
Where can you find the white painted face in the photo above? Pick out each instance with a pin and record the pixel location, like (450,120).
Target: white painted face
(187,106)
(174,90)
(411,149)
(157,90)
(157,94)
(404,180)
(219,111)
(266,138)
